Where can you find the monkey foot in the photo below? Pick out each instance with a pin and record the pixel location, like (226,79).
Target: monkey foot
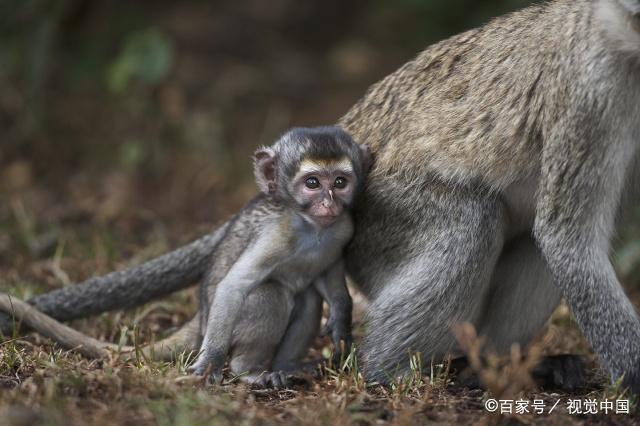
(268,379)
(565,372)
(632,381)
(562,372)
(202,367)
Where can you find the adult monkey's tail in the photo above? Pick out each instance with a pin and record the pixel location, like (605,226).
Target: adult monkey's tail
(184,340)
(128,288)
(47,326)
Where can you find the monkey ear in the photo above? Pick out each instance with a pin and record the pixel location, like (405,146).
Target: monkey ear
(264,169)
(367,157)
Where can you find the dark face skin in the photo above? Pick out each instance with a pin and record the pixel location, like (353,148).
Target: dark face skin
(324,189)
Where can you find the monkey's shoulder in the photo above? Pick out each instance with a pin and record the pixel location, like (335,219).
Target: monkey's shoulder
(268,230)
(263,222)
(252,223)
(262,208)
(259,213)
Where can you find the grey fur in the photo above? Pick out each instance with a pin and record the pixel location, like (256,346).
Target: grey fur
(261,300)
(272,265)
(260,275)
(533,119)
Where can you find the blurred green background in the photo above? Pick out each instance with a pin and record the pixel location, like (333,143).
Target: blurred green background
(125,122)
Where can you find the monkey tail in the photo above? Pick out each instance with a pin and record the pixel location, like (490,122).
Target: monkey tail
(66,336)
(183,340)
(130,287)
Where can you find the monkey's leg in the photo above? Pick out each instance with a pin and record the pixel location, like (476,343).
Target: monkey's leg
(303,328)
(441,281)
(584,169)
(521,299)
(261,325)
(130,287)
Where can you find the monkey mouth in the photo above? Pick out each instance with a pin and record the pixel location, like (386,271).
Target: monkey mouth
(325,220)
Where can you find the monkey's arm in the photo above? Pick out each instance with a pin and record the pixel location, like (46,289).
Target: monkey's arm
(332,287)
(251,269)
(67,337)
(130,287)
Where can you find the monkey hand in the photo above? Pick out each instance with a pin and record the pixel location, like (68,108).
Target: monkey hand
(209,364)
(340,332)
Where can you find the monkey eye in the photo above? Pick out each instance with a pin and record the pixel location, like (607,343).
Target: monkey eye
(340,182)
(312,183)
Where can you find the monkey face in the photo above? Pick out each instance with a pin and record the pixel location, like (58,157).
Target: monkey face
(324,188)
(315,171)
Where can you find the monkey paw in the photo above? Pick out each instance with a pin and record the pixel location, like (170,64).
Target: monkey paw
(632,381)
(208,366)
(268,379)
(565,372)
(341,338)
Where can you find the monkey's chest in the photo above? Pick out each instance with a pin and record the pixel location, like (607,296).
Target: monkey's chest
(310,259)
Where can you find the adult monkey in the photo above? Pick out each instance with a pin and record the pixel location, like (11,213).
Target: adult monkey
(502,157)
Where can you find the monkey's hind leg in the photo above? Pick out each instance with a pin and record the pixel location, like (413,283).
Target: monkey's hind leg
(441,282)
(303,328)
(521,299)
(261,325)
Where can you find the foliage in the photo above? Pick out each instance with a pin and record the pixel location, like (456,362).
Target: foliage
(146,56)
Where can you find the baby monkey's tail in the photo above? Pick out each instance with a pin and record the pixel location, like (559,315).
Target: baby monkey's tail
(130,287)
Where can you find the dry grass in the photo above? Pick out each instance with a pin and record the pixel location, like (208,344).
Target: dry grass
(43,384)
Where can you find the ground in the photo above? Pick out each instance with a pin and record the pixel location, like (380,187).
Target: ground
(44,384)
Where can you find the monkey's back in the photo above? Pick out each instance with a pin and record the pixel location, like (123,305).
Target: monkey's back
(477,106)
(474,113)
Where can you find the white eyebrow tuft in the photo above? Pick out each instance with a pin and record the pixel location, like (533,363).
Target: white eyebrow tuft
(315,166)
(344,164)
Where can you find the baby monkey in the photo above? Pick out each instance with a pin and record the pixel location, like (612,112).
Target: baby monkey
(261,301)
(278,258)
